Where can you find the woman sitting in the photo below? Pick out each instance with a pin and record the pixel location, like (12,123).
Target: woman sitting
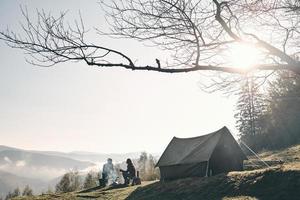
(129,173)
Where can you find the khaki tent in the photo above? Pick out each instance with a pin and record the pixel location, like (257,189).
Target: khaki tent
(205,155)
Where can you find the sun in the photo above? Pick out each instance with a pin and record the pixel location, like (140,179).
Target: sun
(244,56)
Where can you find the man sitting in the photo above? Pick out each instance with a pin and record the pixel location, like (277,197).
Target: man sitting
(108,172)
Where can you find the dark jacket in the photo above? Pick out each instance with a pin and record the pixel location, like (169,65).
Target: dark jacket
(130,170)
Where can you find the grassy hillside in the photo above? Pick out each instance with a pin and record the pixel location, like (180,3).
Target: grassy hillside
(278,182)
(291,154)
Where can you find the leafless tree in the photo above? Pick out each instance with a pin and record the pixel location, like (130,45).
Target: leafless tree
(198,33)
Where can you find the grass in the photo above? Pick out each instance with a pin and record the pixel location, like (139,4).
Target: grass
(291,154)
(278,182)
(274,183)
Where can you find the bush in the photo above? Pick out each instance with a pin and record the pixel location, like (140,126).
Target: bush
(27,191)
(91,180)
(146,167)
(69,182)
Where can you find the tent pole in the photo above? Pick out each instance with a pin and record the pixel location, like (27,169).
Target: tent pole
(207,169)
(254,153)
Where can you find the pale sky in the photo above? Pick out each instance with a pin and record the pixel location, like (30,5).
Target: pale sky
(72,107)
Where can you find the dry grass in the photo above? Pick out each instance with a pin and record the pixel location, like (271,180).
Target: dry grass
(240,198)
(291,154)
(66,196)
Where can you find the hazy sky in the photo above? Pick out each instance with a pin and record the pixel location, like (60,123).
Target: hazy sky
(75,107)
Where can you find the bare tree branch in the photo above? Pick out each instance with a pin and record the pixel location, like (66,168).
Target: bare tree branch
(198,33)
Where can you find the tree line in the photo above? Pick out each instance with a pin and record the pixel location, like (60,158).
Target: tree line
(268,118)
(27,191)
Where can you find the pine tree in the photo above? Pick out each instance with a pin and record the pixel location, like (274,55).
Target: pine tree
(250,108)
(284,110)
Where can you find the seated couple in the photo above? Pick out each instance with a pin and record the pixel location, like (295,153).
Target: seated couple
(109,175)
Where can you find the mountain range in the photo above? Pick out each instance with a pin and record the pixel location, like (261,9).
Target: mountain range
(41,169)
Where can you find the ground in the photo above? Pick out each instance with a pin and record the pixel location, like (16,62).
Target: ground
(281,181)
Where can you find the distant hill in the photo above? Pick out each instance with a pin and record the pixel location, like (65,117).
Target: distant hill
(9,182)
(92,157)
(40,160)
(81,155)
(37,165)
(3,148)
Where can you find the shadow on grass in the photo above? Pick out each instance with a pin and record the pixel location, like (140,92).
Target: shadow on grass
(272,184)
